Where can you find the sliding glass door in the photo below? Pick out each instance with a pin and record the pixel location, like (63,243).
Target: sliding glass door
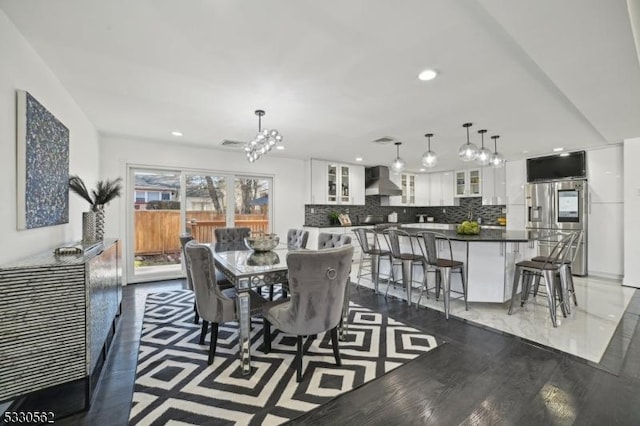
(168,203)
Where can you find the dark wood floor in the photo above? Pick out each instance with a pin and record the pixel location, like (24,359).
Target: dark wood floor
(477,377)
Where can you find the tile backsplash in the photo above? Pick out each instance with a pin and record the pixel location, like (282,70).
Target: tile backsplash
(446,214)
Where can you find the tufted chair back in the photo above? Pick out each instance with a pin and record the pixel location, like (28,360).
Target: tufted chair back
(317,280)
(229,239)
(184,239)
(327,240)
(297,238)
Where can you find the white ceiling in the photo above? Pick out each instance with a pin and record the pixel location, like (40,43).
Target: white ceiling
(333,75)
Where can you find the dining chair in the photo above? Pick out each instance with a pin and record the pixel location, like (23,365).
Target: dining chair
(554,266)
(297,238)
(230,239)
(443,266)
(370,255)
(405,254)
(214,304)
(330,240)
(317,280)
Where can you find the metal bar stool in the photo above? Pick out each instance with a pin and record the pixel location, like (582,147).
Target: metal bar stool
(399,241)
(554,266)
(444,267)
(370,257)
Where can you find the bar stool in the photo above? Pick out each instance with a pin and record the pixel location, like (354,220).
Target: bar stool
(371,253)
(573,249)
(554,266)
(443,267)
(398,241)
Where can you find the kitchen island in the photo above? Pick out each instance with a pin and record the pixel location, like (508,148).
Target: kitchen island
(489,259)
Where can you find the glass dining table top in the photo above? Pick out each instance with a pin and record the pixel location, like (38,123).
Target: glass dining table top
(248,262)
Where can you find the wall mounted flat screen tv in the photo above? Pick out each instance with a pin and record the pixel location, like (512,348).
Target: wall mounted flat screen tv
(557,166)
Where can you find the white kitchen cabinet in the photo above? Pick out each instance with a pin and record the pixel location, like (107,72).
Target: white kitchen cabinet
(423,189)
(467,183)
(516,179)
(516,218)
(440,189)
(493,186)
(605,240)
(335,183)
(605,175)
(406,182)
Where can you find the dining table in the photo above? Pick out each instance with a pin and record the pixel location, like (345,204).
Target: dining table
(248,270)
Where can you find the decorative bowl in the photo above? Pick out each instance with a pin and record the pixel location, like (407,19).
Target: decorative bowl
(263,258)
(262,243)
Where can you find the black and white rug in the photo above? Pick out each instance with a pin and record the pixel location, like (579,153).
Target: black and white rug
(175,385)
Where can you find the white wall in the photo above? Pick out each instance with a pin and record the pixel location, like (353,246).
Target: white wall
(118,153)
(22,68)
(631,213)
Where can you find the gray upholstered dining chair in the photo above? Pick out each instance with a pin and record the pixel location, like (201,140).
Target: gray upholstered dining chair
(222,281)
(214,305)
(230,239)
(297,238)
(317,281)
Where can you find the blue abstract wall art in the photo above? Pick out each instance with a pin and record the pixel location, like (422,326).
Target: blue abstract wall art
(42,165)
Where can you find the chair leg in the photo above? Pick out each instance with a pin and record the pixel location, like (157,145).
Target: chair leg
(438,284)
(551,298)
(271,292)
(203,332)
(213,343)
(196,318)
(464,288)
(447,290)
(299,360)
(334,343)
(266,336)
(284,293)
(514,290)
(570,285)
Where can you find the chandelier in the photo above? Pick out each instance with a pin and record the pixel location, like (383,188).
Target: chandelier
(263,142)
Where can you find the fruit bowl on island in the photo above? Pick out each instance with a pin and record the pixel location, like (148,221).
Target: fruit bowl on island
(262,242)
(468,228)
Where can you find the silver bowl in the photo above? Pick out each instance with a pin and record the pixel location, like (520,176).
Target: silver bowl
(263,258)
(262,243)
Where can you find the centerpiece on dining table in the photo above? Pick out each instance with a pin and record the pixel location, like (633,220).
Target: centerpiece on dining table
(262,242)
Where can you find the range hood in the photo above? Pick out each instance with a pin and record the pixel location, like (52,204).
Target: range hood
(377,182)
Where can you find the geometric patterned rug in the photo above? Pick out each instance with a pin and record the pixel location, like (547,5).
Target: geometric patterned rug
(174,384)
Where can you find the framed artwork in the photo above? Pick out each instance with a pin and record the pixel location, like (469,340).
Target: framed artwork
(42,167)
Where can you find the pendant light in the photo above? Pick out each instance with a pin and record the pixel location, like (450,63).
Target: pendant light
(468,151)
(429,158)
(398,164)
(263,142)
(497,159)
(484,154)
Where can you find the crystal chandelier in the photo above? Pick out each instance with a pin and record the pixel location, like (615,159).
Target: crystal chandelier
(263,142)
(497,159)
(468,151)
(429,158)
(398,165)
(484,154)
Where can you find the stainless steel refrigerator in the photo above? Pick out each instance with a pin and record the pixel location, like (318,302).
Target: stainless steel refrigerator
(558,206)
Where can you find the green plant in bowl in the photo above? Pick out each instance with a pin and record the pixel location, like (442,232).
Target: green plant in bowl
(468,228)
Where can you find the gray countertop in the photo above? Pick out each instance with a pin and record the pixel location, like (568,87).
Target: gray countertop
(485,235)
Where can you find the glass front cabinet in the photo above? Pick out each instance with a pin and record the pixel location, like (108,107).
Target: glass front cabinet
(338,183)
(335,183)
(468,183)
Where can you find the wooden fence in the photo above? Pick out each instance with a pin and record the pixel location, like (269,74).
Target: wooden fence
(157,231)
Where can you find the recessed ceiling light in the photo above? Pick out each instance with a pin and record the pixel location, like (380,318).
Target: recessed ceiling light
(358,158)
(427,75)
(176,133)
(422,169)
(525,152)
(558,149)
(280,147)
(564,154)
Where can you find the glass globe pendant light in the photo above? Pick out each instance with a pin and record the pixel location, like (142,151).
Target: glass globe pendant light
(468,151)
(398,165)
(429,158)
(484,154)
(497,159)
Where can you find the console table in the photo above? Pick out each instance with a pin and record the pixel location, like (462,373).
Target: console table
(57,316)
